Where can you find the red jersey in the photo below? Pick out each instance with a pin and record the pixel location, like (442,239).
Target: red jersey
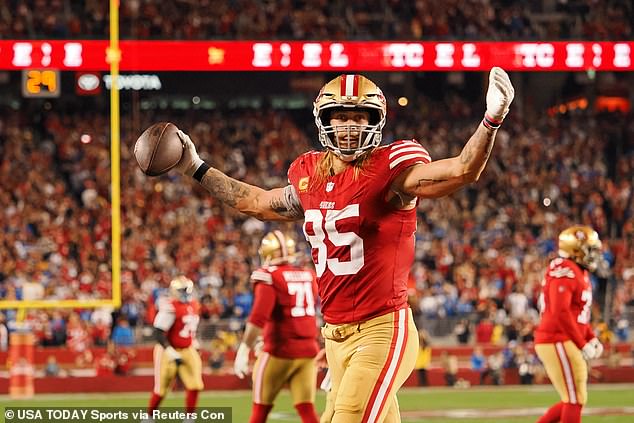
(565,304)
(285,307)
(179,321)
(362,246)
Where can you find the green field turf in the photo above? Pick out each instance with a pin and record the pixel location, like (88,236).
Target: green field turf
(527,402)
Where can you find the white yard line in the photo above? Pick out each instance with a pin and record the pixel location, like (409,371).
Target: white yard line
(512,412)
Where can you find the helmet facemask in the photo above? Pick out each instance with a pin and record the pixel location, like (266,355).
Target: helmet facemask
(592,256)
(360,138)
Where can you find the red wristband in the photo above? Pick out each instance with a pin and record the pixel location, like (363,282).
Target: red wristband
(491,123)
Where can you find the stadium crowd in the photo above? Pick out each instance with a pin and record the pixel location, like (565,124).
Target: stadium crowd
(480,253)
(319,19)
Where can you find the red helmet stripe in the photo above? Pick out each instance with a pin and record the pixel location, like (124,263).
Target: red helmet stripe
(349,86)
(343,85)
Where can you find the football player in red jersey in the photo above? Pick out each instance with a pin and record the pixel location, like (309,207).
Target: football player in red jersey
(284,314)
(358,203)
(175,327)
(564,339)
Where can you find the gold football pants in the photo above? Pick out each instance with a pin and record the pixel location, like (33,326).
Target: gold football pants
(369,361)
(566,369)
(271,373)
(189,371)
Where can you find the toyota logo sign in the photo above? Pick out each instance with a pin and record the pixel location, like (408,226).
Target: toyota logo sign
(88,83)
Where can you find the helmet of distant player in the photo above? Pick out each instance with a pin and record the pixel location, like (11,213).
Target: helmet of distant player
(581,244)
(276,248)
(350,92)
(182,289)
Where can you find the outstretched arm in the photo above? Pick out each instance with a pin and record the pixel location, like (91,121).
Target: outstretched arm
(274,204)
(443,177)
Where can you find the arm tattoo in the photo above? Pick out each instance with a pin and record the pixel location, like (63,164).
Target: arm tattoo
(288,204)
(228,190)
(423,183)
(246,198)
(478,147)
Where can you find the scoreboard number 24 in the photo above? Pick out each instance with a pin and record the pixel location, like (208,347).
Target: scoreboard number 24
(40,83)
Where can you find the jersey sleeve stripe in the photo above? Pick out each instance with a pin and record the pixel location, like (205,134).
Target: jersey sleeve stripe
(420,157)
(406,149)
(403,144)
(261,276)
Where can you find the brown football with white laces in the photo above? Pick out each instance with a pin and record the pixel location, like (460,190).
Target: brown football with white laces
(158,149)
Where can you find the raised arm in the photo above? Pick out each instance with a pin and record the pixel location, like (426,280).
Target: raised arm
(274,204)
(443,177)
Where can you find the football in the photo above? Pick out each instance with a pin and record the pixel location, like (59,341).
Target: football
(158,149)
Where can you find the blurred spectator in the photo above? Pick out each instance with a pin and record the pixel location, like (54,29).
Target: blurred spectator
(509,355)
(106,361)
(77,336)
(218,348)
(52,368)
(484,331)
(462,330)
(122,334)
(604,333)
(622,330)
(310,20)
(424,358)
(478,361)
(526,363)
(493,369)
(450,367)
(123,361)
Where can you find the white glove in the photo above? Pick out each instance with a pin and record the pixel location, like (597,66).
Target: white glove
(241,363)
(326,383)
(190,161)
(173,355)
(499,94)
(589,351)
(598,347)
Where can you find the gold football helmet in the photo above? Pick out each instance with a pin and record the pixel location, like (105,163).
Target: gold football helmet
(581,244)
(276,248)
(182,289)
(350,92)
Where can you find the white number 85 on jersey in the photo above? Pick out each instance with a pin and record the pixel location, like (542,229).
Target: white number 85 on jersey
(327,228)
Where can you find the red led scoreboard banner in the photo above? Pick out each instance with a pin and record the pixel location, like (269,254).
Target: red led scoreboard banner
(318,56)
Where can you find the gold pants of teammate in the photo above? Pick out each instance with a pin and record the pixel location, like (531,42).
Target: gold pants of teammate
(271,373)
(189,371)
(566,369)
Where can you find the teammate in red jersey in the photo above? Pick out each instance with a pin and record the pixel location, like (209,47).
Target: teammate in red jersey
(564,338)
(175,327)
(358,202)
(284,314)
